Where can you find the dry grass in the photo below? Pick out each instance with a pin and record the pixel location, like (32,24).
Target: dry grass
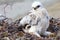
(11,31)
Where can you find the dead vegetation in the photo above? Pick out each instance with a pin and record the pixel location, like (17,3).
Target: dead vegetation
(10,30)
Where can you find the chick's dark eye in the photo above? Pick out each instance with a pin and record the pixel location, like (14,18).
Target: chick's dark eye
(38,6)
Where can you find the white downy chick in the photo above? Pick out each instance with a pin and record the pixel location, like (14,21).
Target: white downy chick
(38,19)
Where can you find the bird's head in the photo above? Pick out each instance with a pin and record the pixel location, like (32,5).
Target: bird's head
(36,5)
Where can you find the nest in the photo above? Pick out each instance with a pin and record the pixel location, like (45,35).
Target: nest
(11,31)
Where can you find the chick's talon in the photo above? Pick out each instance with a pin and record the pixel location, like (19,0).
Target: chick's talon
(52,35)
